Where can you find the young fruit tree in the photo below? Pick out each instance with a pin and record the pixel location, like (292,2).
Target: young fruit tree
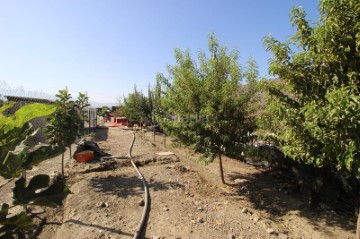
(208,102)
(65,124)
(320,112)
(137,108)
(16,156)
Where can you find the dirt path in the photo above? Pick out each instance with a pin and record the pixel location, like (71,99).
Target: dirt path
(187,199)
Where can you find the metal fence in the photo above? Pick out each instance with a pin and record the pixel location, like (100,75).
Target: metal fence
(37,123)
(90,119)
(22,97)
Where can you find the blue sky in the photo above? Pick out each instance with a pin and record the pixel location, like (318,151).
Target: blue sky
(104,47)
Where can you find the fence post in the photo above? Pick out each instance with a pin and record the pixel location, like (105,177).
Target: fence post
(89,120)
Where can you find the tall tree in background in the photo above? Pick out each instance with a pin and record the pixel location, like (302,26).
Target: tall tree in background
(183,97)
(137,108)
(103,111)
(251,72)
(82,101)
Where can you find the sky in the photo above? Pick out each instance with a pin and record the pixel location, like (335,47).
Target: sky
(106,47)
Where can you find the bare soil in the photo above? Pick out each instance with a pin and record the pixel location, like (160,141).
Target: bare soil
(187,199)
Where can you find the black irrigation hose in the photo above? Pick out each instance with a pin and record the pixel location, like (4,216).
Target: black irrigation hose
(131,146)
(146,196)
(146,206)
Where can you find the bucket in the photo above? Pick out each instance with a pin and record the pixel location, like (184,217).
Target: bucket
(84,156)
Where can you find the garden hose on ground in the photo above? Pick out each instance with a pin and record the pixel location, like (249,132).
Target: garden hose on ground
(146,194)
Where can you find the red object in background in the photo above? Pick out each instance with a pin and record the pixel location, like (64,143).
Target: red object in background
(84,156)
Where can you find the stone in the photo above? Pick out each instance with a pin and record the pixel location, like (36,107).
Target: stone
(231,236)
(256,219)
(271,231)
(244,210)
(166,209)
(141,202)
(102,204)
(283,236)
(200,209)
(200,220)
(240,180)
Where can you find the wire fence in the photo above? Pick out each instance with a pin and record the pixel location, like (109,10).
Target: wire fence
(90,119)
(22,97)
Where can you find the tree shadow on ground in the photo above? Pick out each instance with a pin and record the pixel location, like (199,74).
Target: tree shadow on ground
(101,134)
(279,197)
(164,186)
(112,230)
(125,186)
(122,186)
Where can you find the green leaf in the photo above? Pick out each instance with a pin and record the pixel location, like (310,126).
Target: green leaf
(11,167)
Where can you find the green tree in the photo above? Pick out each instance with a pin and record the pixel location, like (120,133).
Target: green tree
(251,73)
(320,112)
(82,101)
(319,115)
(103,111)
(65,124)
(228,124)
(137,108)
(209,105)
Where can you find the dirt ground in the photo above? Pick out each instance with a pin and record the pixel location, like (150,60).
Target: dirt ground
(187,199)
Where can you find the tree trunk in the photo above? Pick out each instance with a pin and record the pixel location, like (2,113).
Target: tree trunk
(358,227)
(23,175)
(62,165)
(221,169)
(70,151)
(154,134)
(165,140)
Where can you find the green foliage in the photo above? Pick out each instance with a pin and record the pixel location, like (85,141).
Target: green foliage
(317,117)
(137,107)
(82,101)
(65,124)
(15,157)
(206,105)
(104,110)
(251,72)
(155,103)
(15,132)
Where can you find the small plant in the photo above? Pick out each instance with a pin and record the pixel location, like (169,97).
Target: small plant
(65,123)
(16,156)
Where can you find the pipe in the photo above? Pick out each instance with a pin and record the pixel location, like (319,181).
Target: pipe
(146,193)
(146,206)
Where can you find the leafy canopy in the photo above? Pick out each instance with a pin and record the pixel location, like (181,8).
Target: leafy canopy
(319,115)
